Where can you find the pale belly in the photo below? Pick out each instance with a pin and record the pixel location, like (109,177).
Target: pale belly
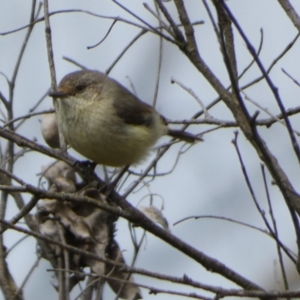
(108,141)
(113,148)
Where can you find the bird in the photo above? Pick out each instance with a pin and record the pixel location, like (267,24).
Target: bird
(105,122)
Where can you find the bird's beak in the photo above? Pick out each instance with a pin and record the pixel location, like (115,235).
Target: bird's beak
(57,94)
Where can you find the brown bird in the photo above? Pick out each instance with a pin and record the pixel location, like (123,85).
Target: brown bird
(105,122)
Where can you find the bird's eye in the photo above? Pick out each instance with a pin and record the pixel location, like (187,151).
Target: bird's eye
(80,88)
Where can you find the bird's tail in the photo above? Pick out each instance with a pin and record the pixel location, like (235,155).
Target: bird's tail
(184,136)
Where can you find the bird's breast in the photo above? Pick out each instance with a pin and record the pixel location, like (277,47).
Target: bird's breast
(95,131)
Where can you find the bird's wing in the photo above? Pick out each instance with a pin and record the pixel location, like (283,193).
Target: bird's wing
(131,110)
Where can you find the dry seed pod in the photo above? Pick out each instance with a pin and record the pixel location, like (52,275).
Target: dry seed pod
(49,130)
(64,185)
(155,215)
(130,291)
(58,169)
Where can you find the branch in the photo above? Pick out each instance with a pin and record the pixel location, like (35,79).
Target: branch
(273,88)
(135,216)
(291,13)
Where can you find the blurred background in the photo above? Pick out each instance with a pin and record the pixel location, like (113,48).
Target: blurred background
(207,180)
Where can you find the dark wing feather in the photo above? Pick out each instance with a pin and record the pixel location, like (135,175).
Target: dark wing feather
(133,111)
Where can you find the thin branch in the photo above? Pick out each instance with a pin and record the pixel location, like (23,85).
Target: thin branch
(273,88)
(261,212)
(185,280)
(274,62)
(267,112)
(160,55)
(257,53)
(190,42)
(223,123)
(28,116)
(23,212)
(177,33)
(106,35)
(157,16)
(4,100)
(143,31)
(153,29)
(34,107)
(135,216)
(74,11)
(288,75)
(211,19)
(16,244)
(275,228)
(193,94)
(291,13)
(22,50)
(287,251)
(24,142)
(222,294)
(77,64)
(48,37)
(64,286)
(152,290)
(32,269)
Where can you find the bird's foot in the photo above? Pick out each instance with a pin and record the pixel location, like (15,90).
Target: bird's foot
(86,169)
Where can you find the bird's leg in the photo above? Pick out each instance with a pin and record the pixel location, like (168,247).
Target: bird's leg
(86,169)
(89,164)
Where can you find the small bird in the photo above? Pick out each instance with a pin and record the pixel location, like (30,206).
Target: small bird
(105,122)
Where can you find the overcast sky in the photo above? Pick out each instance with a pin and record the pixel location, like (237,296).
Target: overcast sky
(208,178)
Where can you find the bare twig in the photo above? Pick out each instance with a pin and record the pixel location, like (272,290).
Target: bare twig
(72,61)
(135,216)
(288,251)
(50,111)
(283,272)
(291,12)
(273,88)
(159,60)
(153,29)
(261,212)
(274,62)
(106,35)
(193,94)
(32,269)
(48,36)
(157,16)
(143,31)
(288,75)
